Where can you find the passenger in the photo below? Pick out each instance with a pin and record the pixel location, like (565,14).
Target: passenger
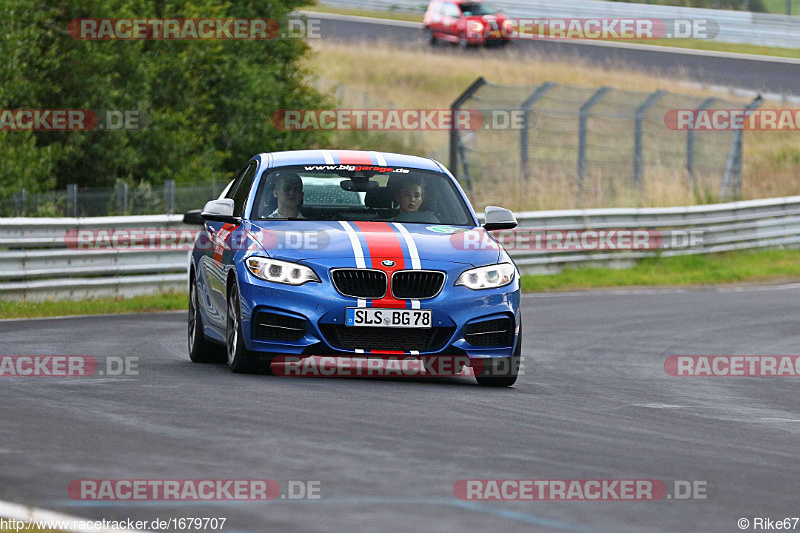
(410,194)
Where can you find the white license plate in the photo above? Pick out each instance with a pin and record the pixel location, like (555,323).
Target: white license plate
(388,318)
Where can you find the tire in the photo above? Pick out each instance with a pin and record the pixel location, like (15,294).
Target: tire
(463,43)
(429,38)
(501,371)
(240,359)
(201,350)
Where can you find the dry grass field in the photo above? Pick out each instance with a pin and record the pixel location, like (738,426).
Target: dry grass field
(416,77)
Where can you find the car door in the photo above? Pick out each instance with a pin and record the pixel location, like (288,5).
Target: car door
(217,259)
(450,15)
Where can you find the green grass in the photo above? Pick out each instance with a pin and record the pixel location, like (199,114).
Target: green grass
(695,44)
(778,7)
(166,301)
(693,270)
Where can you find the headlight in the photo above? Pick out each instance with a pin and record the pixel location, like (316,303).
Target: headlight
(474,29)
(488,277)
(280,271)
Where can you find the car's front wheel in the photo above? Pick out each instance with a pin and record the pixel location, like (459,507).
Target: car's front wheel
(201,350)
(463,43)
(240,359)
(429,37)
(501,371)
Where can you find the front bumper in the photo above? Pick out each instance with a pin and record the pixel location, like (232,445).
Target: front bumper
(321,311)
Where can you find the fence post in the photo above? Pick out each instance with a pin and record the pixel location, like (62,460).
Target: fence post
(465,165)
(582,122)
(690,142)
(523,134)
(454,138)
(21,203)
(122,197)
(169,195)
(733,169)
(72,200)
(637,136)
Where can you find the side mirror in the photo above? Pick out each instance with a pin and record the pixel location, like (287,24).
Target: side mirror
(193,217)
(220,211)
(496,218)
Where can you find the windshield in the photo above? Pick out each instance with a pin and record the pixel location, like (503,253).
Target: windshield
(348,192)
(477,9)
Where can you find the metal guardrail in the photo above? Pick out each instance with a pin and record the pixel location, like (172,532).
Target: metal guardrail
(734,26)
(747,225)
(36,263)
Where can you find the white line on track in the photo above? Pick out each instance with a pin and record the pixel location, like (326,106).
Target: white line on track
(676,290)
(15,511)
(90,316)
(557,294)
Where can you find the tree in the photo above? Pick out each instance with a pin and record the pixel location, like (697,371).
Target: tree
(205,104)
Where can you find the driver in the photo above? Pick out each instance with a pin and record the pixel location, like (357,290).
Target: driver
(289,193)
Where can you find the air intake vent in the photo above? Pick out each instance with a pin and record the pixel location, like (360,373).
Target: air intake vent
(490,333)
(369,338)
(275,327)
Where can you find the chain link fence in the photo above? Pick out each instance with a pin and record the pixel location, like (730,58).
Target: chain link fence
(580,146)
(576,147)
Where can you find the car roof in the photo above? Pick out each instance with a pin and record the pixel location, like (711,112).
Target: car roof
(349,157)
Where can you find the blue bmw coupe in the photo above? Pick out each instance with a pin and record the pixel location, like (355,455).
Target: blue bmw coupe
(349,253)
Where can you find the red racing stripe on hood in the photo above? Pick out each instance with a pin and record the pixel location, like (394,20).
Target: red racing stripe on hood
(354,157)
(384,243)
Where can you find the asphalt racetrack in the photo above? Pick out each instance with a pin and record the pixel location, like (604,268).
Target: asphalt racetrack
(776,75)
(594,403)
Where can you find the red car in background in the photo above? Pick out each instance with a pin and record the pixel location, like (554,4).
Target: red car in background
(466,23)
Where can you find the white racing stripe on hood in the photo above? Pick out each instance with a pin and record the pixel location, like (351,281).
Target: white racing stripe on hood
(358,252)
(413,253)
(379,158)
